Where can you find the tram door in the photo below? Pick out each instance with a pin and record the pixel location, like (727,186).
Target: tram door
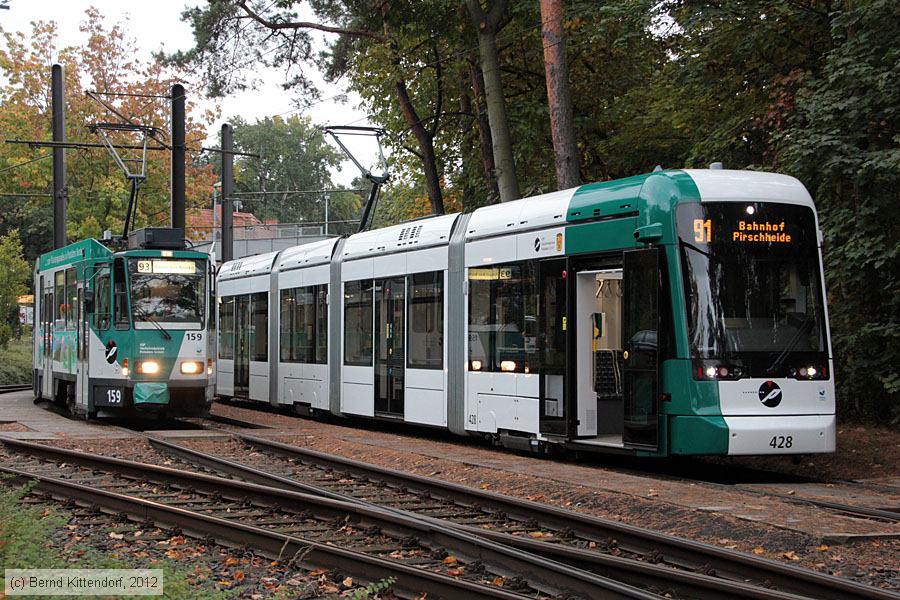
(641,335)
(553,323)
(241,345)
(81,341)
(390,354)
(47,312)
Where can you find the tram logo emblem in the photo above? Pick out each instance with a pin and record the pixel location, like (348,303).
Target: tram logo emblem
(770,394)
(111,351)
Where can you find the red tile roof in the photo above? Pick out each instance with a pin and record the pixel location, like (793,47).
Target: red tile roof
(200,223)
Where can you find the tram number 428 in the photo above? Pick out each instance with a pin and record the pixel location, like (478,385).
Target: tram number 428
(781,441)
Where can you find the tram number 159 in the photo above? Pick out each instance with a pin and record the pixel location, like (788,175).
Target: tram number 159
(108,396)
(781,441)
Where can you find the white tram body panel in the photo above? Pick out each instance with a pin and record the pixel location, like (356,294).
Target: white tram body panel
(298,381)
(502,234)
(243,373)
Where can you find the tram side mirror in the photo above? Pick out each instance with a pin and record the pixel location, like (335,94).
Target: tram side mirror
(649,233)
(89,300)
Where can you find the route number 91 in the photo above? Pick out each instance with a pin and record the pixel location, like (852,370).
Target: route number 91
(703,231)
(781,441)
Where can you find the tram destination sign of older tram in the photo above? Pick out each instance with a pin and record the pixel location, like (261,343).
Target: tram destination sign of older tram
(124,333)
(677,312)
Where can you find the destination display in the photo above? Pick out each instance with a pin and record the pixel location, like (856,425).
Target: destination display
(745,231)
(761,225)
(167,267)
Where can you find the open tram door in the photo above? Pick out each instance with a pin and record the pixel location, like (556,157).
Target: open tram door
(640,335)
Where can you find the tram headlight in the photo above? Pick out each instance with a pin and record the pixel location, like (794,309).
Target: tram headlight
(808,372)
(507,365)
(148,367)
(706,370)
(476,365)
(191,367)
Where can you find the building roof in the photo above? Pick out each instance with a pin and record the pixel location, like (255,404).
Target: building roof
(199,222)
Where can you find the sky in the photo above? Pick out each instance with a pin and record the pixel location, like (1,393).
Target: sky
(156,25)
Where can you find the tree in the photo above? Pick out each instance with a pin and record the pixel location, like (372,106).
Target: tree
(98,191)
(487,25)
(14,274)
(293,156)
(838,134)
(277,37)
(559,98)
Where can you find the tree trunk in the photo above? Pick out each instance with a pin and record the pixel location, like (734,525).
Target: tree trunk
(484,129)
(426,149)
(487,26)
(559,98)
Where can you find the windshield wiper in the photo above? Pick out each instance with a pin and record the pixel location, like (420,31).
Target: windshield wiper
(792,343)
(150,319)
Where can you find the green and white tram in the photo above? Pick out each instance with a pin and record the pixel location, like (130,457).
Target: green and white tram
(676,312)
(123,333)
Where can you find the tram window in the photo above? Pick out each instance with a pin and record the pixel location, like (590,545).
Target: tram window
(259,326)
(502,317)
(71,298)
(287,343)
(226,328)
(120,295)
(358,311)
(101,307)
(321,324)
(305,323)
(426,320)
(60,295)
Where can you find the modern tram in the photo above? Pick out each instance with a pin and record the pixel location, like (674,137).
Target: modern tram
(679,312)
(124,333)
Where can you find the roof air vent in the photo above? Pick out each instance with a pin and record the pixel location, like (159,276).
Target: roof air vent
(717,166)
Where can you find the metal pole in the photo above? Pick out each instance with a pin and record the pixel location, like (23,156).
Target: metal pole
(60,192)
(326,214)
(178,200)
(227,191)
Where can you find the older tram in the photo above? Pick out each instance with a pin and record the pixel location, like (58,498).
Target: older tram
(124,333)
(676,312)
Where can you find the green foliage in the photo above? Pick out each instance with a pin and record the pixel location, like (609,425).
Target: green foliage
(842,140)
(373,589)
(26,542)
(293,156)
(15,361)
(25,532)
(98,192)
(14,273)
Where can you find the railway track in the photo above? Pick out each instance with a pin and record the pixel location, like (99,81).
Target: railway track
(16,387)
(629,554)
(887,514)
(368,542)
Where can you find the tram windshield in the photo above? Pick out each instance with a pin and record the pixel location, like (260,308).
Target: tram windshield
(167,290)
(752,280)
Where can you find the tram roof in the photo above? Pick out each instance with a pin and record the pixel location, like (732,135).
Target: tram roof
(249,266)
(306,255)
(408,236)
(73,253)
